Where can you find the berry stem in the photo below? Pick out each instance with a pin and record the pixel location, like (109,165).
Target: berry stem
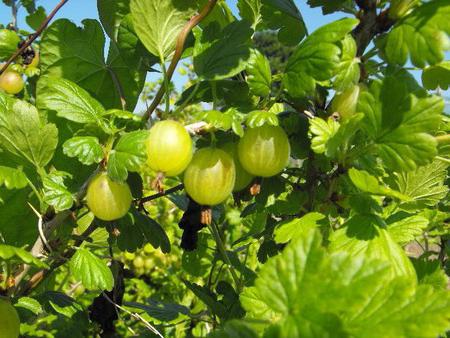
(223,252)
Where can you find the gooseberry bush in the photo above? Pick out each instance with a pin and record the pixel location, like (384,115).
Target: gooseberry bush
(303,195)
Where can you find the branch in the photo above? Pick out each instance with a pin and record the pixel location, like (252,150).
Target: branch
(371,24)
(33,36)
(42,274)
(48,227)
(194,21)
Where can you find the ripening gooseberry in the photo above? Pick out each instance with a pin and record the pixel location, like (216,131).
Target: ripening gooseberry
(345,103)
(11,82)
(9,320)
(264,151)
(243,177)
(108,200)
(209,178)
(169,148)
(138,262)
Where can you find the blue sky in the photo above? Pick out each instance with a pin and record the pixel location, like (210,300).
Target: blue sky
(77,10)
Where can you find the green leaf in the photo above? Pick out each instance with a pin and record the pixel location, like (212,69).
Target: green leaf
(284,17)
(437,76)
(55,191)
(323,131)
(131,48)
(158,23)
(60,303)
(288,230)
(19,255)
(317,58)
(425,186)
(111,13)
(14,210)
(348,72)
(129,154)
(35,19)
(331,6)
(234,329)
(136,229)
(86,148)
(259,76)
(341,142)
(400,121)
(207,297)
(368,183)
(308,292)
(407,229)
(430,272)
(421,35)
(165,312)
(91,270)
(250,10)
(8,43)
(231,119)
(30,304)
(24,134)
(222,54)
(257,118)
(78,55)
(363,236)
(72,102)
(12,178)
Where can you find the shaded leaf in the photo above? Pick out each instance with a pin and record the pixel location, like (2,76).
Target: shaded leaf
(222,54)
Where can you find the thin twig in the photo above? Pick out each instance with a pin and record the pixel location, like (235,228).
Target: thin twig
(34,36)
(194,21)
(40,228)
(142,200)
(134,315)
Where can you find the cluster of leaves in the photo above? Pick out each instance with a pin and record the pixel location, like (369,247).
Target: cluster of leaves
(350,240)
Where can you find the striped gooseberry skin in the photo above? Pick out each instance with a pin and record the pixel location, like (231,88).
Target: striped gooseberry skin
(169,148)
(209,178)
(243,178)
(108,200)
(264,151)
(11,82)
(9,320)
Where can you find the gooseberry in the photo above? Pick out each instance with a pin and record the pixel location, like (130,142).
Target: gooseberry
(108,200)
(345,103)
(243,177)
(264,151)
(209,178)
(138,262)
(11,82)
(169,148)
(9,320)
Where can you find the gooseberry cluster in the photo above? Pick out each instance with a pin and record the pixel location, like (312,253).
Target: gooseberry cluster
(144,261)
(11,80)
(211,174)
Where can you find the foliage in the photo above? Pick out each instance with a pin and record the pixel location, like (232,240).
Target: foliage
(350,239)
